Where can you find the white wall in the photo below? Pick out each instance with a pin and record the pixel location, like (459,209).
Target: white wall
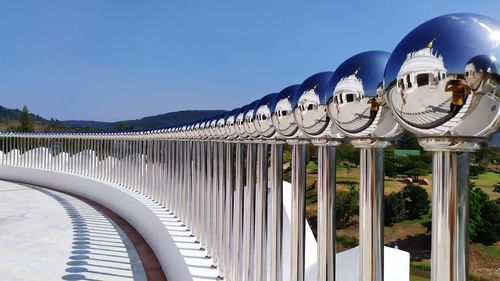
(134,208)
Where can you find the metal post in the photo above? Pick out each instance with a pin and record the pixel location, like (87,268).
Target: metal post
(221,209)
(261,214)
(371,219)
(276,258)
(450,251)
(298,211)
(238,215)
(229,209)
(249,215)
(326,213)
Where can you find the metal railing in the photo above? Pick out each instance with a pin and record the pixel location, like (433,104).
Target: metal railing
(214,173)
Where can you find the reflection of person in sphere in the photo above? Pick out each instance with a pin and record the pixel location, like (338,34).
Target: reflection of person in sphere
(374,105)
(458,90)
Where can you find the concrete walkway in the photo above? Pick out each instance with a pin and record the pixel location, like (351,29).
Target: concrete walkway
(48,235)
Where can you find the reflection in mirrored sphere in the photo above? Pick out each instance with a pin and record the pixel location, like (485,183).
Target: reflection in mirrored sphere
(230,123)
(248,123)
(310,104)
(282,113)
(239,122)
(356,97)
(262,116)
(442,78)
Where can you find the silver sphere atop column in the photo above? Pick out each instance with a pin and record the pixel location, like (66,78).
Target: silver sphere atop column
(282,112)
(262,116)
(309,104)
(442,80)
(356,97)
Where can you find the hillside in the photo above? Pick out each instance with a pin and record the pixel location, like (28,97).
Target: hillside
(156,121)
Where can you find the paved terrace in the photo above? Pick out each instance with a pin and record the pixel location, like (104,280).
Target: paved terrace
(49,235)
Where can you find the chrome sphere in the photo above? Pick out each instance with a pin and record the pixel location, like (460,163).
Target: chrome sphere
(282,112)
(249,117)
(309,104)
(239,123)
(213,127)
(262,116)
(356,97)
(230,123)
(443,78)
(221,122)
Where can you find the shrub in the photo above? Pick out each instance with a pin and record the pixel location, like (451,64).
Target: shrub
(484,225)
(346,206)
(394,208)
(347,241)
(416,201)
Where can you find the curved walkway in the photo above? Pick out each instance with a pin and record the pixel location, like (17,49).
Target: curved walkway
(48,235)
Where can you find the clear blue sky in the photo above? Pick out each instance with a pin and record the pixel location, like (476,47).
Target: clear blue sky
(116,60)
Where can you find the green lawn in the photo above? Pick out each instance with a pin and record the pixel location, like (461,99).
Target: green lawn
(418,278)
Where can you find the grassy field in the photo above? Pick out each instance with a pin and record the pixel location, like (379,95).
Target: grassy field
(408,235)
(418,278)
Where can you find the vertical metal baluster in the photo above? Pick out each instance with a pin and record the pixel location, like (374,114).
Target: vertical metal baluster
(208,198)
(238,215)
(450,216)
(221,209)
(228,212)
(298,212)
(276,263)
(214,203)
(202,194)
(261,214)
(326,213)
(249,215)
(371,224)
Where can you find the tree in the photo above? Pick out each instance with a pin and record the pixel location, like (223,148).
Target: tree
(390,168)
(484,226)
(346,206)
(394,208)
(408,140)
(416,201)
(26,122)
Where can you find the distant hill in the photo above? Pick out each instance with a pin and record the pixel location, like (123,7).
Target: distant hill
(15,114)
(150,122)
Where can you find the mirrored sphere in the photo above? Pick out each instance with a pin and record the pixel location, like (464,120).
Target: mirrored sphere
(239,122)
(248,122)
(221,122)
(282,113)
(309,104)
(230,123)
(443,79)
(262,116)
(356,97)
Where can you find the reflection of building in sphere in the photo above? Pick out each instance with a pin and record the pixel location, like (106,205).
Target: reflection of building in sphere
(348,89)
(309,100)
(419,69)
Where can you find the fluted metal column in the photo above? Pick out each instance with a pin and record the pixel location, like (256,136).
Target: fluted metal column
(450,232)
(221,209)
(261,213)
(371,219)
(276,256)
(298,212)
(238,215)
(249,215)
(229,211)
(326,213)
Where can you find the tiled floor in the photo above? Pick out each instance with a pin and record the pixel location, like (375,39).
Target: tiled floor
(48,235)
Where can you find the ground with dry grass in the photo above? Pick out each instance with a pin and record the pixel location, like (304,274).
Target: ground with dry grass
(411,235)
